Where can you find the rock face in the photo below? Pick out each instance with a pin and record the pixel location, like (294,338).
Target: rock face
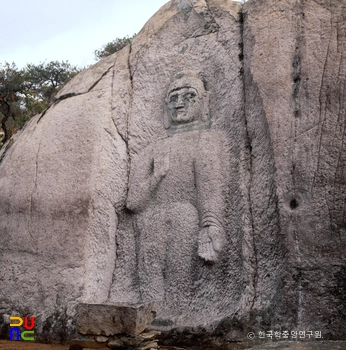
(60,184)
(201,168)
(295,112)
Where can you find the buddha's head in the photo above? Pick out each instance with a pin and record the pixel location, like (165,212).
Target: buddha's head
(187,100)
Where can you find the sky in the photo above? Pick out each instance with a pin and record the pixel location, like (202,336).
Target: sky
(35,31)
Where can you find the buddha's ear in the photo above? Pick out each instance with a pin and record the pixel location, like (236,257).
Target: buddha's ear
(166,120)
(205,113)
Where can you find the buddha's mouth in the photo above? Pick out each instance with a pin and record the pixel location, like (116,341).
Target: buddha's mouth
(181,117)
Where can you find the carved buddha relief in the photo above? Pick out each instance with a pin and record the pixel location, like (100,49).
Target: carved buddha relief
(177,191)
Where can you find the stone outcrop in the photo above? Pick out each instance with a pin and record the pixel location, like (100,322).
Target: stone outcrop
(295,120)
(61,181)
(202,168)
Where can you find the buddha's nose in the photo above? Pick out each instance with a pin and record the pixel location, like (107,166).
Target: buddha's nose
(180,103)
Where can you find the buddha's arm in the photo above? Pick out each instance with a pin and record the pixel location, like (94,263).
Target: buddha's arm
(146,173)
(211,182)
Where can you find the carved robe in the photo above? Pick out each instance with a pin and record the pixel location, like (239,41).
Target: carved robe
(171,210)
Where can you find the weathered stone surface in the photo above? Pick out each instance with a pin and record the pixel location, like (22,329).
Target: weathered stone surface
(86,343)
(162,236)
(88,79)
(294,74)
(131,341)
(111,319)
(149,345)
(149,335)
(101,339)
(116,344)
(202,167)
(58,221)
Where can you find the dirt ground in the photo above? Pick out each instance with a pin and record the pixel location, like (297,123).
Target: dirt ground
(321,345)
(27,345)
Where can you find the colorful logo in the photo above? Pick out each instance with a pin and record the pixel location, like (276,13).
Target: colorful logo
(16,333)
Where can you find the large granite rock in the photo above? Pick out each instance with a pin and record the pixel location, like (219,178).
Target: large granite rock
(61,182)
(202,168)
(294,76)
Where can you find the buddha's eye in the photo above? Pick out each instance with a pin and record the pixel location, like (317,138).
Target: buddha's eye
(173,98)
(189,96)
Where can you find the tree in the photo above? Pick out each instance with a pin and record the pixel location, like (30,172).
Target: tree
(29,91)
(113,47)
(48,78)
(12,86)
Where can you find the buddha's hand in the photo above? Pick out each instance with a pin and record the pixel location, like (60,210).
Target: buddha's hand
(210,243)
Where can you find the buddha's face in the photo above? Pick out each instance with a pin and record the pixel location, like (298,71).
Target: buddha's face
(184,105)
